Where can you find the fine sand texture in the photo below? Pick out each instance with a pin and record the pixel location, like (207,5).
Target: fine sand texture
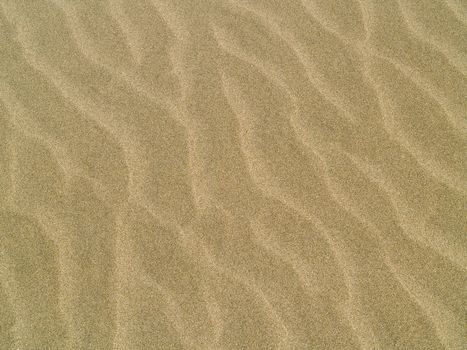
(233,174)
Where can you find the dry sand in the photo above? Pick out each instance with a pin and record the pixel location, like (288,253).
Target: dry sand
(233,174)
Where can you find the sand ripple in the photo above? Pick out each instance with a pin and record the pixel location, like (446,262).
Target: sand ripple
(233,174)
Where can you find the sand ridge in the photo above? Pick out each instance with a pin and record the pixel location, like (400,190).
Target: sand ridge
(233,174)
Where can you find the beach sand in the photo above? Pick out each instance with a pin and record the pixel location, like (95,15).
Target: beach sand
(233,174)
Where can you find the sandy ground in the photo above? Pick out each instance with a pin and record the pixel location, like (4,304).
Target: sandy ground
(233,174)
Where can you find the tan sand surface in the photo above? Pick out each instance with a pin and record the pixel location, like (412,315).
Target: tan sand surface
(233,174)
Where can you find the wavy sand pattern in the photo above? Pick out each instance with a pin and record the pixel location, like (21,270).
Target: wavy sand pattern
(233,174)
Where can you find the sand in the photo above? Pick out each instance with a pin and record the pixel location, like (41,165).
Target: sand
(233,174)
